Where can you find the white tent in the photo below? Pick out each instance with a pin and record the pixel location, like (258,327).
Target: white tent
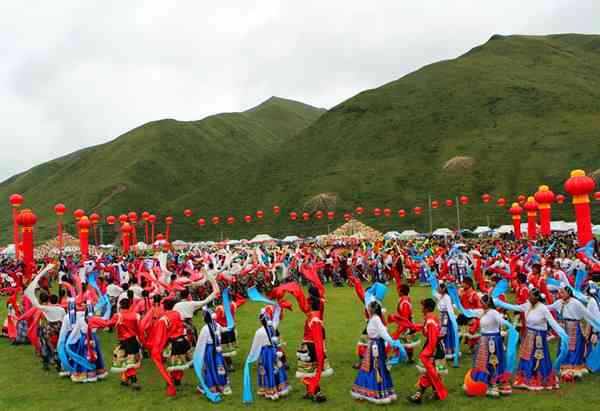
(291,239)
(505,229)
(261,238)
(392,235)
(596,229)
(443,232)
(409,234)
(482,229)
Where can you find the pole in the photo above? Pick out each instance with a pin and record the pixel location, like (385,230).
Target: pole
(60,235)
(430,215)
(15,232)
(457,216)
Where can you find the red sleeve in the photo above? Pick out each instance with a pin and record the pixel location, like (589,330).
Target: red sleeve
(431,333)
(358,288)
(317,335)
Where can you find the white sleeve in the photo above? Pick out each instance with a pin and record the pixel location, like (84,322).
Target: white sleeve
(259,341)
(382,331)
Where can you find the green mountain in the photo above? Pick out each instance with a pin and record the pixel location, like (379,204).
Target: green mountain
(155,164)
(513,113)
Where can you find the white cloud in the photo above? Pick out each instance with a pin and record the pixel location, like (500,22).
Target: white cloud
(73,75)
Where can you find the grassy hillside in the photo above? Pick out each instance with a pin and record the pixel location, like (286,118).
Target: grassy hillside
(157,163)
(508,115)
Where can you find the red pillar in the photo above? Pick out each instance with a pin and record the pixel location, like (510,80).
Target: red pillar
(531,207)
(544,197)
(516,210)
(83,226)
(27,219)
(580,186)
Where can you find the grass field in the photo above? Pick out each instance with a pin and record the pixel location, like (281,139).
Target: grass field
(25,386)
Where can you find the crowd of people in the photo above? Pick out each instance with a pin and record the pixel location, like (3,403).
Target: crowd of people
(500,301)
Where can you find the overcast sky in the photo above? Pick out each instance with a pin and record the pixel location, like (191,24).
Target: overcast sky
(74,75)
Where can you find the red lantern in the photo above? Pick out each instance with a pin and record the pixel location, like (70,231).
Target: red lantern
(201,222)
(78,213)
(111,219)
(435,204)
(276,210)
(169,220)
(133,217)
(94,218)
(464,200)
(230,220)
(360,210)
(151,218)
(516,210)
(401,213)
(248,218)
(330,215)
(124,219)
(449,203)
(377,212)
(531,207)
(260,214)
(597,195)
(187,213)
(16,200)
(305,216)
(83,227)
(27,219)
(126,230)
(521,199)
(486,198)
(544,197)
(293,216)
(417,210)
(579,186)
(501,202)
(347,217)
(60,209)
(215,220)
(145,215)
(387,212)
(560,199)
(319,215)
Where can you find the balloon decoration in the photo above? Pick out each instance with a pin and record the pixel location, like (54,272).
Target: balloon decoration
(560,199)
(152,221)
(168,222)
(360,210)
(60,210)
(248,218)
(544,197)
(16,201)
(435,204)
(449,203)
(126,230)
(276,210)
(401,213)
(260,214)
(580,186)
(293,216)
(531,207)
(377,212)
(486,198)
(464,200)
(516,210)
(201,222)
(387,212)
(417,210)
(77,214)
(187,213)
(27,219)
(330,215)
(501,202)
(83,228)
(95,220)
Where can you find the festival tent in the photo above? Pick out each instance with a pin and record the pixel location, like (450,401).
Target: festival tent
(291,239)
(482,229)
(443,232)
(353,227)
(391,235)
(262,238)
(505,229)
(409,234)
(596,229)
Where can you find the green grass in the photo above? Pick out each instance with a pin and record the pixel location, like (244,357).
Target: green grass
(25,386)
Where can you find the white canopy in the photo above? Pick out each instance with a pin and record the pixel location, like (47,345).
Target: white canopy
(443,232)
(409,234)
(291,239)
(392,235)
(596,229)
(482,229)
(261,238)
(505,229)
